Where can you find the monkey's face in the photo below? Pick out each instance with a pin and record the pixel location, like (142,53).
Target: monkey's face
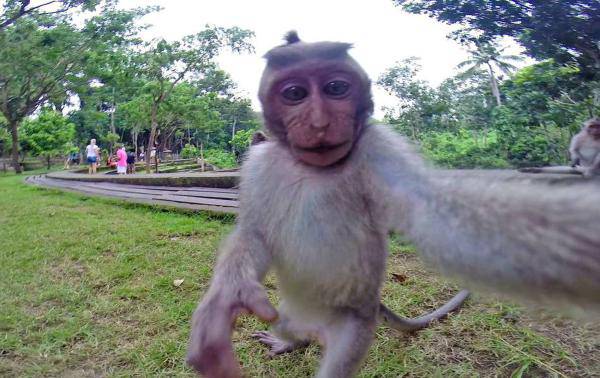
(316,106)
(594,130)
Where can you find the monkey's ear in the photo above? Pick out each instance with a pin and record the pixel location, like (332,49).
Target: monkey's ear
(291,37)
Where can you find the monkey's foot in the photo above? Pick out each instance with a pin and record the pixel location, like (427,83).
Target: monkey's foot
(277,345)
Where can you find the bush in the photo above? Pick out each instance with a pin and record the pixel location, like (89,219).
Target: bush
(537,149)
(190,151)
(220,158)
(464,149)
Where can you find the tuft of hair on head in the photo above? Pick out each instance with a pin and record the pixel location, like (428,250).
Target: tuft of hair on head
(296,51)
(291,37)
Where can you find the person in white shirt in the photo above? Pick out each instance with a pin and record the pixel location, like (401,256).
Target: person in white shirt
(92,152)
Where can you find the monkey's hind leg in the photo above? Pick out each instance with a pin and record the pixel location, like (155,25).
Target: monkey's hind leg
(346,342)
(389,318)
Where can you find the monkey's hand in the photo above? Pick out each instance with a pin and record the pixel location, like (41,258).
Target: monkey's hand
(210,351)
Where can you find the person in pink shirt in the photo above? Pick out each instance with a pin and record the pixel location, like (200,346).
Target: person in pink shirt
(121,160)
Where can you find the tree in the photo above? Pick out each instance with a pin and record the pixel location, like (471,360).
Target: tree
(470,101)
(115,83)
(39,63)
(13,10)
(486,54)
(535,90)
(565,30)
(421,107)
(5,142)
(187,109)
(48,135)
(545,105)
(165,64)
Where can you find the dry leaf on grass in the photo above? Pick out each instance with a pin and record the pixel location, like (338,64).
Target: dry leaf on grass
(397,277)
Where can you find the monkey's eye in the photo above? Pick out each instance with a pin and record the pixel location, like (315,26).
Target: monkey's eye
(336,88)
(294,93)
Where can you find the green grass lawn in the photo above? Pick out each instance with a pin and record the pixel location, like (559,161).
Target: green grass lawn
(86,289)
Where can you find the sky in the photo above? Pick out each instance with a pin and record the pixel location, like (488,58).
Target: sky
(380,32)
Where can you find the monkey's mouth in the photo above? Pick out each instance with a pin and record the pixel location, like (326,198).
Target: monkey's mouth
(322,148)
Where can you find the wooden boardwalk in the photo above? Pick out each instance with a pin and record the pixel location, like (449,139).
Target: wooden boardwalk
(209,191)
(218,200)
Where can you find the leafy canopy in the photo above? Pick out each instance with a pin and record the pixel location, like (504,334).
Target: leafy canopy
(565,30)
(48,135)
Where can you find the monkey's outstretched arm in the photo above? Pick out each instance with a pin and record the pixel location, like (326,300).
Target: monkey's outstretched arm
(529,240)
(235,288)
(525,239)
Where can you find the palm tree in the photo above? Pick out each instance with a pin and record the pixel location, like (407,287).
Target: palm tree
(488,55)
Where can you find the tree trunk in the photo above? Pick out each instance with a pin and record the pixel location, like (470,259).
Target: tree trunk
(134,138)
(14,126)
(494,83)
(232,135)
(112,121)
(48,161)
(152,137)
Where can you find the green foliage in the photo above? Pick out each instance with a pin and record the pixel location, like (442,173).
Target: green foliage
(420,106)
(164,65)
(242,139)
(71,148)
(464,149)
(489,57)
(220,158)
(168,92)
(111,138)
(190,151)
(48,135)
(564,30)
(5,141)
(544,105)
(13,10)
(42,58)
(549,93)
(529,144)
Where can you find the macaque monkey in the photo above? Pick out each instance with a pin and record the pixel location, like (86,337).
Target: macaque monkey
(258,137)
(585,148)
(318,199)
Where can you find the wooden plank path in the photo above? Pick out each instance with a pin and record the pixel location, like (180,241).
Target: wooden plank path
(220,200)
(218,179)
(199,196)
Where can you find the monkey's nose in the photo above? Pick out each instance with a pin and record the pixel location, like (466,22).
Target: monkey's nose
(319,118)
(320,124)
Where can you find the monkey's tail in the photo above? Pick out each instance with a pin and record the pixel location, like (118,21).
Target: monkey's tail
(399,323)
